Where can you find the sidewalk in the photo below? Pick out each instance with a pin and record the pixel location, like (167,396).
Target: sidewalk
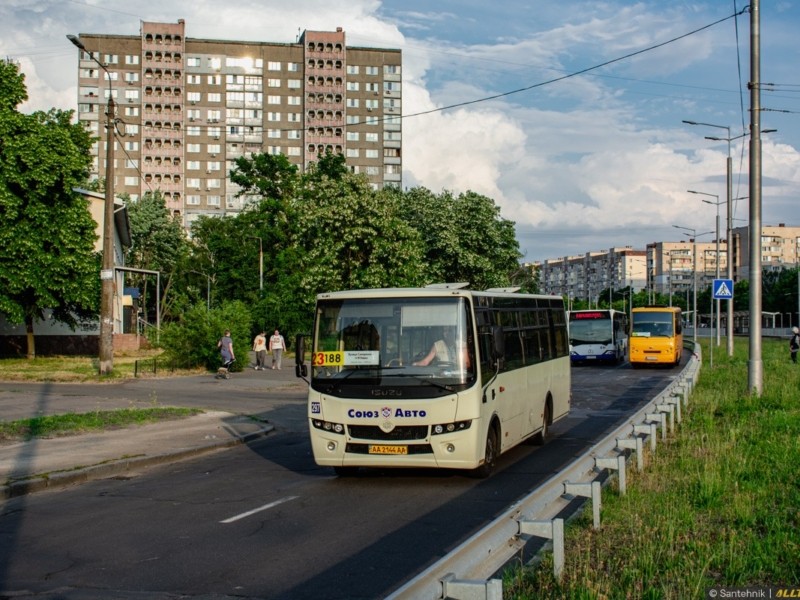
(48,463)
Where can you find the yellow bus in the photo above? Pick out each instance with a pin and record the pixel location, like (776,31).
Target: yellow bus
(656,335)
(441,377)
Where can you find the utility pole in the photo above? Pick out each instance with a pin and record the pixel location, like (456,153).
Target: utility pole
(755,374)
(106,356)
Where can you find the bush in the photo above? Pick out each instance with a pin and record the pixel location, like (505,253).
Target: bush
(194,338)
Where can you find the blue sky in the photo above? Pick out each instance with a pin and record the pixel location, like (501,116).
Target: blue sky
(582,164)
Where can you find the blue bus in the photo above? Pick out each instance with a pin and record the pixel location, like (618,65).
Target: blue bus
(598,336)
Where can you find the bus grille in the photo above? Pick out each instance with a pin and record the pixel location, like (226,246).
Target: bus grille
(368,432)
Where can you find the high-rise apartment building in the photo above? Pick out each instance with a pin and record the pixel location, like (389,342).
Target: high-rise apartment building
(187,108)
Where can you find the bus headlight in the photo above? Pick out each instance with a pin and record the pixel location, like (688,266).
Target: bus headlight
(450,427)
(328,426)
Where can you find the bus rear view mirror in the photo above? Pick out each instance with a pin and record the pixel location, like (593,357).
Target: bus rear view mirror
(300,350)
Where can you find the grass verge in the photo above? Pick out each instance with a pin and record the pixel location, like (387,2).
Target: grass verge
(718,505)
(85,369)
(76,423)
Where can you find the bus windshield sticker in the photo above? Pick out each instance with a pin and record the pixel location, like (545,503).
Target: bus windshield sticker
(361,358)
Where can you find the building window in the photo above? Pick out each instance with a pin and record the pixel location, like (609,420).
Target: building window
(274,150)
(352,153)
(193,61)
(192,130)
(293,84)
(274,133)
(273,66)
(371,153)
(194,96)
(131,59)
(293,151)
(213,148)
(372,70)
(131,181)
(274,83)
(293,100)
(214,165)
(192,148)
(352,69)
(215,80)
(193,183)
(391,69)
(293,134)
(293,67)
(132,146)
(352,136)
(371,137)
(215,97)
(352,86)
(273,116)
(192,165)
(111,59)
(352,103)
(131,77)
(213,200)
(194,79)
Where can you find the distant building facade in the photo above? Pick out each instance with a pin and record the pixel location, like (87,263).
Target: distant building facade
(189,107)
(584,277)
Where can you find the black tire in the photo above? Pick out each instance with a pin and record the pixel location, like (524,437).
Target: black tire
(540,438)
(489,456)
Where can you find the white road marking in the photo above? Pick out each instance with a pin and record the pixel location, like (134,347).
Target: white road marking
(259,509)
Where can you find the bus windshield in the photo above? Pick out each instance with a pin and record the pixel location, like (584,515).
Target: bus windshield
(652,324)
(394,341)
(590,328)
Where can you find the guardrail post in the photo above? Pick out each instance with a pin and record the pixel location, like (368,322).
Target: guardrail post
(587,490)
(549,530)
(650,430)
(659,419)
(614,464)
(468,589)
(635,444)
(668,410)
(675,401)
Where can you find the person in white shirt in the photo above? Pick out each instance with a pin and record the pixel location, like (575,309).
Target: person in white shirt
(277,344)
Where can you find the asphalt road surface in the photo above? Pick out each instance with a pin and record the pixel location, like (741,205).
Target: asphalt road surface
(264,521)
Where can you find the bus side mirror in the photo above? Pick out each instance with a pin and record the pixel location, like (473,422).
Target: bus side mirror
(300,367)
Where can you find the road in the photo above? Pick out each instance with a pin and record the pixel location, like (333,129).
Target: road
(263,521)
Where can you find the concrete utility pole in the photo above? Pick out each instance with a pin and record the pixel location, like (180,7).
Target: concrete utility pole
(755,374)
(106,356)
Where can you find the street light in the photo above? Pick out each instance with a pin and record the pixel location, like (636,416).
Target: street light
(107,272)
(694,274)
(717,203)
(729,234)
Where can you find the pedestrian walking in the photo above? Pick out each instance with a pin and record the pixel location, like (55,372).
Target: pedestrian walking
(794,344)
(225,345)
(277,344)
(260,348)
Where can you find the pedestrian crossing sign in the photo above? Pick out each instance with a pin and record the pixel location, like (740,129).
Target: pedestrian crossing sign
(723,289)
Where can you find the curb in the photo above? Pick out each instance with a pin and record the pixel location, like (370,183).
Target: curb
(62,479)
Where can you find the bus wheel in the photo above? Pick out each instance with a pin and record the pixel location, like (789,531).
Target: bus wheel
(346,471)
(541,437)
(489,457)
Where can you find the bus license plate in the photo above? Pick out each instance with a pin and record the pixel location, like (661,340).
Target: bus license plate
(388,449)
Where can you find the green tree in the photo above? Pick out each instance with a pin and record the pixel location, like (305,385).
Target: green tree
(465,237)
(158,243)
(47,254)
(352,237)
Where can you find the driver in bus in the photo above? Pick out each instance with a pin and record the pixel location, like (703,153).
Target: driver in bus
(443,350)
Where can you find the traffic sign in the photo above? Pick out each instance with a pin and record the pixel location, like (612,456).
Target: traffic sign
(723,289)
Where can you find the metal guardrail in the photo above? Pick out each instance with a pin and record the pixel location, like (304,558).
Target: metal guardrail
(465,573)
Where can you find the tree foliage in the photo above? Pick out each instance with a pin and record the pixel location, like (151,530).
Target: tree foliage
(158,243)
(47,254)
